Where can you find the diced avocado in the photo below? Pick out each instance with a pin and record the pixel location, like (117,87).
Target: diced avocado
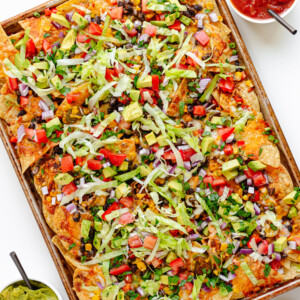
(109,172)
(217,120)
(251,227)
(43,65)
(230,174)
(56,82)
(280,244)
(206,144)
(171,256)
(144,82)
(185,20)
(249,207)
(230,165)
(85,228)
(98,225)
(145,170)
(170,19)
(61,20)
(175,185)
(162,141)
(293,212)
(63,178)
(158,23)
(42,85)
(23,41)
(239,226)
(132,112)
(134,95)
(122,190)
(150,138)
(96,242)
(164,279)
(79,20)
(295,266)
(124,166)
(128,24)
(237,198)
(290,198)
(173,38)
(53,122)
(256,165)
(69,40)
(205,231)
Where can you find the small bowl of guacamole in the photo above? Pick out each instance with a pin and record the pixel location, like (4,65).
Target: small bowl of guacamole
(19,291)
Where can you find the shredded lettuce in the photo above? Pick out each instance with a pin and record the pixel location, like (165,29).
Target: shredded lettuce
(150,287)
(184,218)
(100,95)
(249,273)
(128,175)
(179,73)
(197,286)
(240,124)
(107,256)
(207,93)
(110,292)
(104,124)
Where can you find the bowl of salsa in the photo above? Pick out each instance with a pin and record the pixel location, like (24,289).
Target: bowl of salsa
(257,10)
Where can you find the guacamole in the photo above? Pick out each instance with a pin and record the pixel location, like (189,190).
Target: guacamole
(19,291)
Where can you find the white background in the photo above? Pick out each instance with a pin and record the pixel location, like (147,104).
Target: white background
(276,55)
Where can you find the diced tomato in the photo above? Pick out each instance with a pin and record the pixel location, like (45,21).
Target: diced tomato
(248,172)
(240,143)
(187,154)
(169,155)
(119,270)
(116,13)
(176,25)
(189,286)
(208,180)
(155,148)
(256,237)
(221,190)
(227,85)
(189,229)
(259,179)
(218,182)
(69,188)
(128,278)
(67,164)
(131,32)
(263,247)
(80,161)
(199,110)
(124,124)
(109,74)
(46,46)
(174,232)
(144,6)
(191,62)
(183,276)
(149,242)
(73,97)
(256,196)
(13,84)
(135,242)
(126,288)
(238,99)
(30,133)
(151,30)
(41,136)
(127,201)
(176,264)
(116,159)
(81,12)
(275,264)
(95,29)
(105,152)
(24,101)
(30,48)
(225,133)
(126,218)
(112,208)
(202,37)
(183,67)
(155,83)
(118,69)
(228,150)
(94,164)
(47,12)
(13,139)
(83,38)
(156,262)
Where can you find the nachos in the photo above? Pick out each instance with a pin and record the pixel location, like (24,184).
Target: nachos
(157,172)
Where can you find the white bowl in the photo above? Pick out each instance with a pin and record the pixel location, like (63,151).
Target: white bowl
(261,21)
(38,280)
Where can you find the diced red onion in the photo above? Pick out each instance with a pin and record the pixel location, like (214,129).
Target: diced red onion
(21,133)
(172,170)
(193,237)
(46,115)
(140,291)
(45,190)
(61,35)
(230,139)
(120,108)
(267,178)
(23,89)
(208,219)
(223,225)
(170,273)
(224,278)
(156,163)
(53,200)
(207,192)
(251,190)
(246,251)
(88,18)
(233,58)
(256,209)
(101,287)
(277,256)
(281,271)
(267,259)
(292,245)
(200,18)
(71,207)
(89,56)
(231,276)
(56,44)
(206,288)
(56,25)
(187,165)
(144,151)
(43,106)
(144,38)
(76,27)
(59,197)
(249,181)
(165,82)
(69,15)
(137,23)
(202,173)
(100,157)
(203,84)
(78,50)
(240,178)
(213,17)
(236,246)
(203,225)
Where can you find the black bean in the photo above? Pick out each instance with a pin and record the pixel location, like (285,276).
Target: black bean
(38,119)
(190,108)
(34,94)
(133,268)
(125,12)
(82,240)
(141,16)
(284,255)
(290,228)
(57,150)
(90,253)
(237,63)
(178,142)
(190,191)
(121,3)
(197,7)
(82,248)
(76,216)
(192,11)
(239,70)
(97,20)
(128,46)
(128,7)
(206,56)
(22,113)
(187,14)
(19,99)
(32,125)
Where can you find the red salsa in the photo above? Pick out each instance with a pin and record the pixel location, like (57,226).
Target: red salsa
(259,8)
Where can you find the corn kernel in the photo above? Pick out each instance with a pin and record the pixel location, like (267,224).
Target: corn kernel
(216,272)
(249,83)
(245,197)
(136,2)
(209,5)
(167,290)
(53,194)
(223,247)
(46,28)
(235,150)
(220,18)
(238,76)
(88,247)
(140,264)
(150,16)
(264,190)
(140,196)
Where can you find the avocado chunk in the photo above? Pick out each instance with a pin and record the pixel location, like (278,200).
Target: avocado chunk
(280,244)
(57,82)
(69,40)
(217,120)
(206,144)
(122,190)
(109,172)
(132,112)
(171,256)
(296,267)
(158,23)
(53,122)
(256,165)
(290,198)
(43,65)
(79,20)
(170,19)
(173,38)
(230,165)
(164,279)
(205,231)
(239,226)
(293,212)
(230,174)
(144,82)
(162,141)
(124,166)
(96,242)
(98,225)
(85,228)
(185,20)
(134,95)
(61,20)
(145,170)
(150,138)
(175,185)
(237,198)
(249,207)
(63,178)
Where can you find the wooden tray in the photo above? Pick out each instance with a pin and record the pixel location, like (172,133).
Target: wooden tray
(11,26)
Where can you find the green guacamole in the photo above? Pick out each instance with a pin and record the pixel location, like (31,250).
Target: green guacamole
(19,291)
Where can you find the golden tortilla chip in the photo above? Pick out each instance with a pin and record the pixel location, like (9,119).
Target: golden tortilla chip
(248,95)
(93,5)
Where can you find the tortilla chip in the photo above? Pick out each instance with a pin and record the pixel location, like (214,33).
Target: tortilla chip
(176,97)
(14,38)
(248,95)
(94,5)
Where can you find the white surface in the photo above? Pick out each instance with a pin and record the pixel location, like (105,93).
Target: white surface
(275,53)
